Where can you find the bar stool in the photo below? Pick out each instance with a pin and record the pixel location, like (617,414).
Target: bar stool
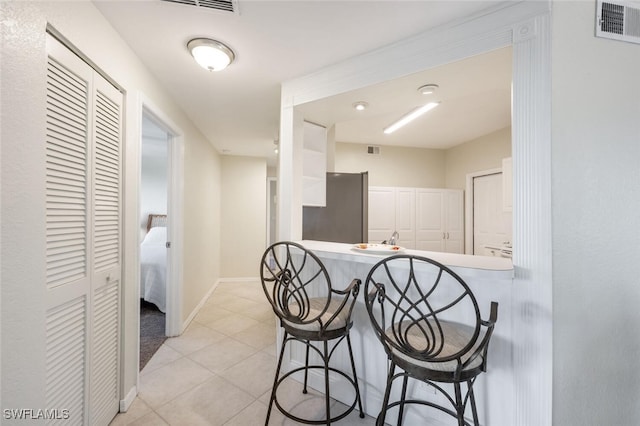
(298,287)
(428,321)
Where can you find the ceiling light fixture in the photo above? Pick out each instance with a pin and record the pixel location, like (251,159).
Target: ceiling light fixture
(428,89)
(210,54)
(407,118)
(360,106)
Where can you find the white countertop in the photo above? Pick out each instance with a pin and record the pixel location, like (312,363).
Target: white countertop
(463,264)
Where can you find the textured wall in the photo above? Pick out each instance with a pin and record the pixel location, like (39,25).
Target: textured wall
(596,236)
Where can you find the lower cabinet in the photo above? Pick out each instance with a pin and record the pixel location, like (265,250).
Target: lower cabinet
(430,219)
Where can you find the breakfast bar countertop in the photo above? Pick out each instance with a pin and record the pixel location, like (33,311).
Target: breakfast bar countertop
(465,265)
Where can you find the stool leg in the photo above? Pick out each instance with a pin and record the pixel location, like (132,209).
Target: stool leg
(306,368)
(403,396)
(275,381)
(473,403)
(387,392)
(355,377)
(459,405)
(326,382)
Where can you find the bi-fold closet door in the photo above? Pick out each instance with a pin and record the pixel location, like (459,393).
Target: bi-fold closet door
(83,239)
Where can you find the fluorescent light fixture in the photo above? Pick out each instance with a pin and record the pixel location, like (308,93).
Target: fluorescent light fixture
(210,54)
(407,118)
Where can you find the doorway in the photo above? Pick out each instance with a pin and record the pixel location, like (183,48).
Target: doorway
(489,226)
(272,205)
(154,253)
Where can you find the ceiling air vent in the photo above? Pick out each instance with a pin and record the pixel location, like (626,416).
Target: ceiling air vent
(619,20)
(375,150)
(224,5)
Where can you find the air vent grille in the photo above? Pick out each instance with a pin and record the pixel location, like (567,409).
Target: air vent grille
(618,20)
(612,18)
(224,5)
(374,150)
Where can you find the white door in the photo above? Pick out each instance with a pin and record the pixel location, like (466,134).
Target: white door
(430,220)
(406,217)
(491,224)
(83,248)
(382,213)
(454,216)
(439,220)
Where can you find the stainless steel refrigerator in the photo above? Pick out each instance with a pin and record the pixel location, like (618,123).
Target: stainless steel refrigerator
(345,217)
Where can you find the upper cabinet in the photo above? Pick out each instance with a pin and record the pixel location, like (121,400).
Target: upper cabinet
(314,165)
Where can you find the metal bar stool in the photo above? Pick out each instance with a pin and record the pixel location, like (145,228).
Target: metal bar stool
(298,287)
(428,321)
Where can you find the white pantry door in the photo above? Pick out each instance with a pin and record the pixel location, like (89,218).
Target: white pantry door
(83,242)
(491,224)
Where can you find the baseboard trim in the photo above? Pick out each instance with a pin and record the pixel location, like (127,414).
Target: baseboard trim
(128,400)
(199,306)
(195,310)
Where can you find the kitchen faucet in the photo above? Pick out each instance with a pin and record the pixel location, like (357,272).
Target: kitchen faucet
(394,238)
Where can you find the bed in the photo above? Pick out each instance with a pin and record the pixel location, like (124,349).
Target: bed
(153,262)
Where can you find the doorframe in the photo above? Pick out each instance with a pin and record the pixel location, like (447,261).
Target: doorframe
(468,206)
(175,202)
(270,180)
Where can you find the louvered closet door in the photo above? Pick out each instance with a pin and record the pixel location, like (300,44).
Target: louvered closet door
(106,264)
(83,239)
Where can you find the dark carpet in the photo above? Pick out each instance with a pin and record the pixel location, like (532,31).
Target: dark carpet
(151,331)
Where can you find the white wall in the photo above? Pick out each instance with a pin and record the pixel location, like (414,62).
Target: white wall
(394,166)
(596,232)
(22,167)
(244,215)
(426,168)
(483,153)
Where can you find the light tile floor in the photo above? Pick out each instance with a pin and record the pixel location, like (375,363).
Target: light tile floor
(220,370)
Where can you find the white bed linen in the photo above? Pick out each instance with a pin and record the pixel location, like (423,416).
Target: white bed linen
(153,267)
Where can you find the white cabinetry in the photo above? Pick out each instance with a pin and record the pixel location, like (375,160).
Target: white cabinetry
(406,217)
(382,213)
(439,220)
(314,165)
(426,219)
(392,209)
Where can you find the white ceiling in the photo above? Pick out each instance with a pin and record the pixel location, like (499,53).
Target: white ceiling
(237,109)
(474,96)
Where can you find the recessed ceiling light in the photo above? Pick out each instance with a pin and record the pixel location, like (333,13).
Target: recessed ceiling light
(428,89)
(210,54)
(360,106)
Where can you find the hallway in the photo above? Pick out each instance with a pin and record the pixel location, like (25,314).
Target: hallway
(220,370)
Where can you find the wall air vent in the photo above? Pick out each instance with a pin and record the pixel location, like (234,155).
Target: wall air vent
(375,150)
(619,20)
(223,5)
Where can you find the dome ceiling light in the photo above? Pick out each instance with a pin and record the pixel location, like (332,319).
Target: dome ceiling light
(428,89)
(211,54)
(360,106)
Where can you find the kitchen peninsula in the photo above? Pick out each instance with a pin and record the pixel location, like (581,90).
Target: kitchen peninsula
(490,279)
